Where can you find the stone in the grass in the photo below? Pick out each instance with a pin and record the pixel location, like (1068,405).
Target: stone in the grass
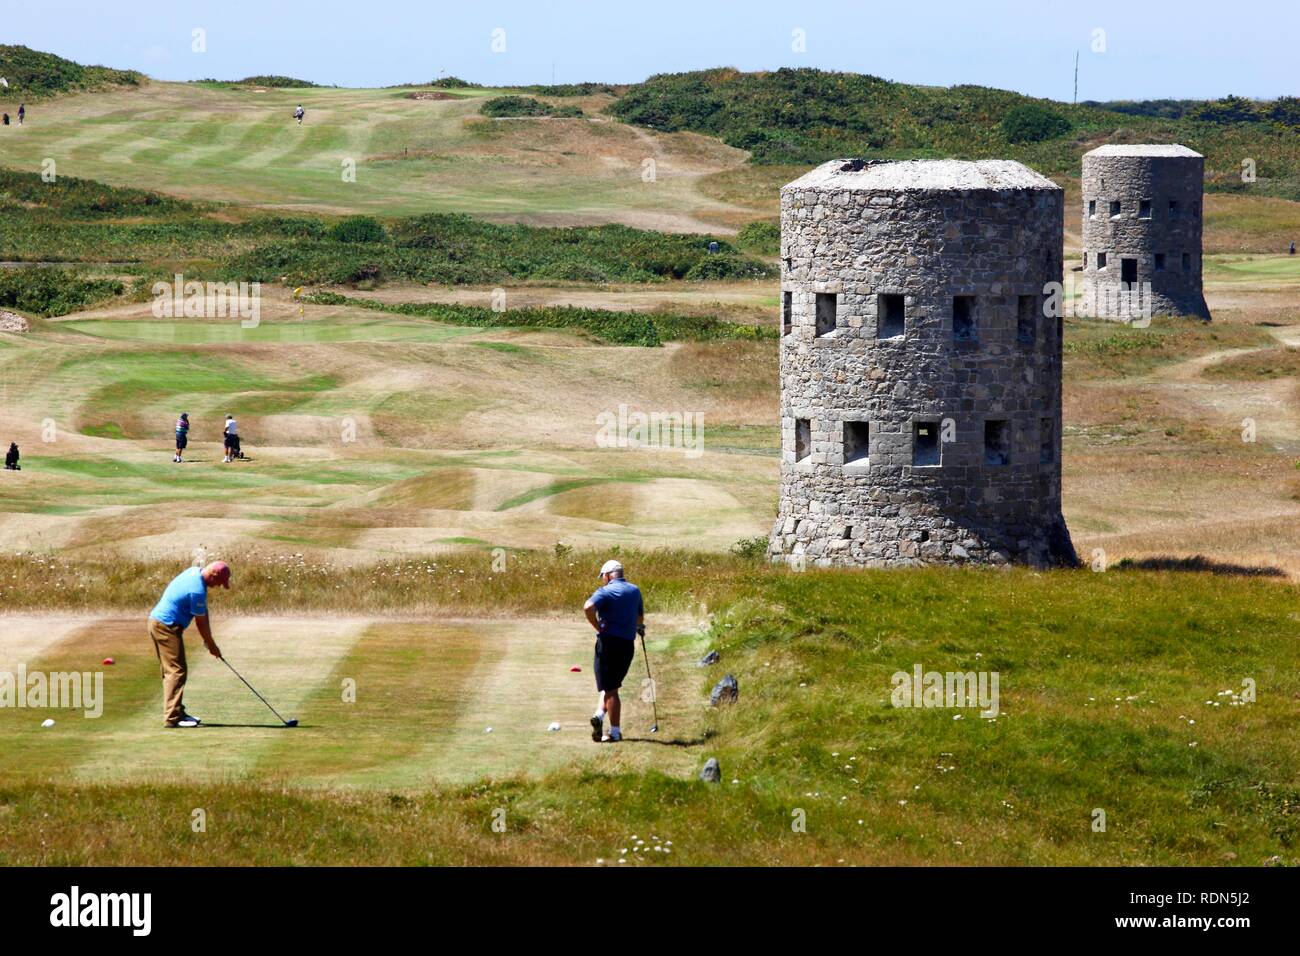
(711,772)
(710,658)
(725,691)
(554,725)
(47,722)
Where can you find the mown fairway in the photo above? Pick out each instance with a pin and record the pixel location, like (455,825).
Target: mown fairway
(435,701)
(375,435)
(411,155)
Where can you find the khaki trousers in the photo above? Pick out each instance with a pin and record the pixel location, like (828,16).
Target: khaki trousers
(169,642)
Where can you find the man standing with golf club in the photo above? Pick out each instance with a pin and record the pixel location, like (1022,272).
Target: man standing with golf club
(184,600)
(617,613)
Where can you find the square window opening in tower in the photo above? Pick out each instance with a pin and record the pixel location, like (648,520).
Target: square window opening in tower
(997,444)
(890,322)
(802,438)
(1046,441)
(963,318)
(857,442)
(925,443)
(826,309)
(1027,311)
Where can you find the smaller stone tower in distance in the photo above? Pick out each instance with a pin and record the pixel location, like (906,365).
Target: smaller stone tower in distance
(1142,230)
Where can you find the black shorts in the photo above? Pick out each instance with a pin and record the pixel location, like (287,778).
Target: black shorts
(181,440)
(613,658)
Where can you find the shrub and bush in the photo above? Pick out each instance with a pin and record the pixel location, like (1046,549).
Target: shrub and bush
(525,106)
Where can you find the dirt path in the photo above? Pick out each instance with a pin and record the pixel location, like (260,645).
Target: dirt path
(1270,403)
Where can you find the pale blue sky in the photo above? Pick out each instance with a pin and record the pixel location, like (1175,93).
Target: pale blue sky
(1153,48)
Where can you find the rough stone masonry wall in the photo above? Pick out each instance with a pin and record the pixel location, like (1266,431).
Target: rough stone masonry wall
(1130,179)
(929,246)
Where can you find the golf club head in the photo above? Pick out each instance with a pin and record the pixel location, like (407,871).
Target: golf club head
(654,729)
(291,723)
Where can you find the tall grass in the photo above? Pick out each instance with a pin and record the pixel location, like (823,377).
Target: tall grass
(292,581)
(608,325)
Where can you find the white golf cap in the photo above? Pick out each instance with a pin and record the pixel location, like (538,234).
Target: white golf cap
(609,567)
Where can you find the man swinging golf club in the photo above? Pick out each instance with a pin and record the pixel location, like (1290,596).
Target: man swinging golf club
(184,600)
(617,613)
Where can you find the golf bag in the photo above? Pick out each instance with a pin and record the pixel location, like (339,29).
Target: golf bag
(11,458)
(236,451)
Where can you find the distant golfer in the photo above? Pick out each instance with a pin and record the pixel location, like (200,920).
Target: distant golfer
(232,439)
(11,458)
(182,435)
(616,612)
(299,113)
(185,600)
(22,111)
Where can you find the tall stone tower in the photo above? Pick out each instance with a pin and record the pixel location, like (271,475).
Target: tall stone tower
(920,378)
(1142,224)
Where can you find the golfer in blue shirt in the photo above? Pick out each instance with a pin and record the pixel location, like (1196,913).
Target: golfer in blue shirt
(616,612)
(185,600)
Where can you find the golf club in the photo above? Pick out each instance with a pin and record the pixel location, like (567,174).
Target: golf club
(287,723)
(654,690)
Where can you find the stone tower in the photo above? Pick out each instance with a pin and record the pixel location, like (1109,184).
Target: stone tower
(1142,224)
(920,377)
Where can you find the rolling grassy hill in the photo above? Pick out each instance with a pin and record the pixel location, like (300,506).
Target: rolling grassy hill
(413,151)
(806,116)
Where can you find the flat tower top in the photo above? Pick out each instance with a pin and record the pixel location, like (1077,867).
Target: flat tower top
(922,174)
(1146,149)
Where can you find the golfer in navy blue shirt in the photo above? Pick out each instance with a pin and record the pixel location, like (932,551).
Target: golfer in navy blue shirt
(617,614)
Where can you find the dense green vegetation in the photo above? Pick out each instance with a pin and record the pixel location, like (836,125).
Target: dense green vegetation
(807,116)
(761,237)
(79,220)
(458,249)
(68,196)
(608,325)
(33,74)
(47,292)
(269,81)
(509,106)
(453,83)
(568,89)
(275,81)
(1033,123)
